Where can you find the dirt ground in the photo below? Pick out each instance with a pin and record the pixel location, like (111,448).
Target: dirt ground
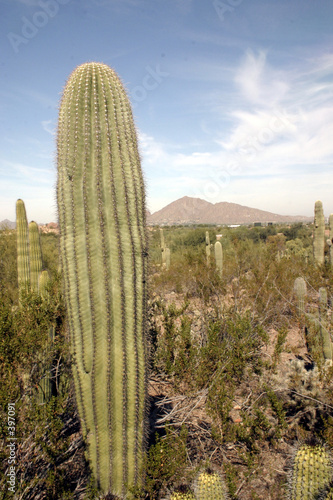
(267,479)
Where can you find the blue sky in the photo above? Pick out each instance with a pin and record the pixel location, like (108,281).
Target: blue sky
(233,100)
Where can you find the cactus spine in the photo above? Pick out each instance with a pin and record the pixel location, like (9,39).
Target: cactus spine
(219,257)
(23,269)
(300,291)
(311,472)
(319,233)
(35,255)
(101,206)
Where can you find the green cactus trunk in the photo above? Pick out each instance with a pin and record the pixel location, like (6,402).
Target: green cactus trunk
(319,233)
(219,257)
(23,269)
(101,206)
(163,249)
(311,472)
(324,331)
(35,256)
(330,239)
(300,291)
(43,282)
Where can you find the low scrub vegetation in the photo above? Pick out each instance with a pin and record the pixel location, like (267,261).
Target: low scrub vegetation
(238,374)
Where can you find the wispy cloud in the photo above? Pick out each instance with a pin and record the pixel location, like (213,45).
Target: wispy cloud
(271,135)
(26,173)
(258,82)
(49,126)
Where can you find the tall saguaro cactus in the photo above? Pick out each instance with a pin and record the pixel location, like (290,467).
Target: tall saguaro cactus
(101,205)
(23,269)
(319,233)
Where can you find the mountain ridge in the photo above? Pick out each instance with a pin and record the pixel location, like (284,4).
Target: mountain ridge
(188,210)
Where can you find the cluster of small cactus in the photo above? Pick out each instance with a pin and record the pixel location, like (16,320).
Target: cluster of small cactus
(218,253)
(31,277)
(103,250)
(311,472)
(29,252)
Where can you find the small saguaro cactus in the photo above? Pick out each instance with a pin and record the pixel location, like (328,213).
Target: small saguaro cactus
(207,247)
(300,291)
(23,268)
(167,258)
(35,255)
(103,250)
(43,282)
(324,332)
(163,248)
(209,484)
(330,239)
(311,472)
(319,233)
(219,257)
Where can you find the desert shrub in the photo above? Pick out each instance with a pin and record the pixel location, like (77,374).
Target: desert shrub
(8,271)
(46,430)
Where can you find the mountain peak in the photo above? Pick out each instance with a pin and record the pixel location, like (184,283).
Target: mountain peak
(187,210)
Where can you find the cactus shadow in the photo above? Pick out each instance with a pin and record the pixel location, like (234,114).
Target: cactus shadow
(157,410)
